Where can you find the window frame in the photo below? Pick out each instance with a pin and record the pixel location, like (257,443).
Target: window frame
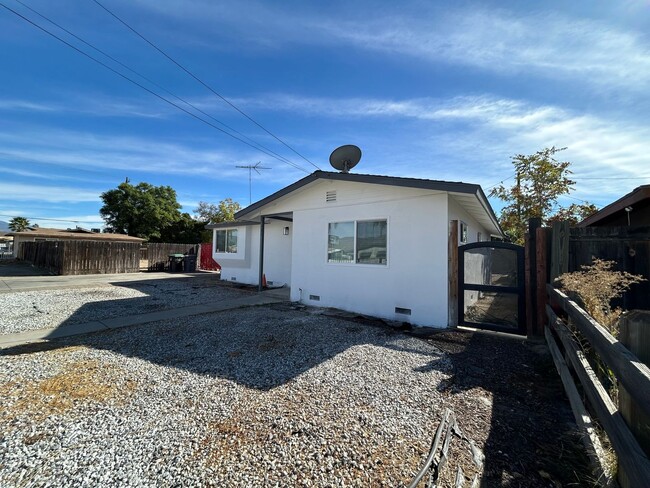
(227,235)
(463,232)
(355,261)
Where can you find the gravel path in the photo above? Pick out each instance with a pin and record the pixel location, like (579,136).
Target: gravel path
(31,310)
(255,397)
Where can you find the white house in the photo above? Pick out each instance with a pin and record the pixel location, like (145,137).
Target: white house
(376,245)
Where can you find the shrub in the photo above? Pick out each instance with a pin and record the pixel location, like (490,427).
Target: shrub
(596,286)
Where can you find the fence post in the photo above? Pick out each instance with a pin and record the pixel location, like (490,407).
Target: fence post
(531,280)
(541,276)
(559,250)
(634,334)
(453,273)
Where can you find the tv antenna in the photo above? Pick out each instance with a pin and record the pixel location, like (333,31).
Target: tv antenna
(250,168)
(345,158)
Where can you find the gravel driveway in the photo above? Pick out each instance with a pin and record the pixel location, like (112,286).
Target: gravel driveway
(265,396)
(31,310)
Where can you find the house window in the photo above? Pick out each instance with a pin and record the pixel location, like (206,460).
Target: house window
(226,241)
(463,232)
(363,242)
(479,237)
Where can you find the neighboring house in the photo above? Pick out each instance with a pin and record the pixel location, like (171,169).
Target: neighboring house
(632,209)
(46,234)
(6,246)
(376,245)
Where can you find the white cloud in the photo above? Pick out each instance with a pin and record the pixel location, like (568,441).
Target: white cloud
(93,105)
(483,132)
(552,45)
(42,193)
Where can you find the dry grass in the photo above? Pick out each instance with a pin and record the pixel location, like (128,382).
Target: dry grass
(596,286)
(78,382)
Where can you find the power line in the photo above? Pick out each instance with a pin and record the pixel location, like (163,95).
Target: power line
(202,82)
(257,144)
(584,178)
(612,178)
(145,88)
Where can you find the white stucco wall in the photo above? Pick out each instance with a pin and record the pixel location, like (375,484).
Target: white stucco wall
(415,277)
(277,252)
(476,265)
(243,266)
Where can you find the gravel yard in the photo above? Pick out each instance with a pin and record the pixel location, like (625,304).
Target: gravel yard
(264,396)
(30,310)
(267,396)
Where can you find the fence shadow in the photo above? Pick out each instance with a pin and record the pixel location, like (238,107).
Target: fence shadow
(533,439)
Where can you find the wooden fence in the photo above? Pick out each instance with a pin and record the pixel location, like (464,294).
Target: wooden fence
(633,377)
(78,257)
(628,246)
(551,252)
(158,254)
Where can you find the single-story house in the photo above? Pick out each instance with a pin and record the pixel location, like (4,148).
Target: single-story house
(632,209)
(32,234)
(6,245)
(376,245)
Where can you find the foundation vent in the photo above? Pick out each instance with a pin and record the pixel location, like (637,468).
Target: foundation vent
(403,311)
(233,278)
(330,196)
(315,298)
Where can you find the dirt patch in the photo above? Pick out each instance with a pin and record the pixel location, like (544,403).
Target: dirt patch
(78,382)
(532,440)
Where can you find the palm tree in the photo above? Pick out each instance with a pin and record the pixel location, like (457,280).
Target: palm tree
(18,224)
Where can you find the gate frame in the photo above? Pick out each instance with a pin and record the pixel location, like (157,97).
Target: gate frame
(519,290)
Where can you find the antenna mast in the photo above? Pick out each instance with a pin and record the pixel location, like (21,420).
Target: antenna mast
(250,168)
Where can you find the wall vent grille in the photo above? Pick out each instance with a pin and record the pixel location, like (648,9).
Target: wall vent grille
(403,311)
(330,196)
(315,298)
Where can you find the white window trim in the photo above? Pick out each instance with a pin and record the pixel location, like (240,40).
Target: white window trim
(225,241)
(354,263)
(463,239)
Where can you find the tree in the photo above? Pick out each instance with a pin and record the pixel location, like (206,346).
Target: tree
(18,224)
(540,181)
(186,230)
(574,213)
(142,210)
(224,212)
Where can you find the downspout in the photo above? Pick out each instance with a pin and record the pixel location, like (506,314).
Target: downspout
(261,273)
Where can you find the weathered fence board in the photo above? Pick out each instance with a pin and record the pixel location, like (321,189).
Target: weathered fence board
(632,373)
(630,455)
(158,253)
(559,249)
(628,246)
(77,257)
(634,334)
(590,440)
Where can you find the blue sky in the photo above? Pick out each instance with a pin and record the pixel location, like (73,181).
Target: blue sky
(441,90)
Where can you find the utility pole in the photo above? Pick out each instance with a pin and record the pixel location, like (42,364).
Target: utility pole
(250,168)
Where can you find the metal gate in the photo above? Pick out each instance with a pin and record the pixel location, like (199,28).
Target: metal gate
(491,287)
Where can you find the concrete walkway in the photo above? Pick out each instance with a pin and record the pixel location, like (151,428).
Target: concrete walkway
(9,284)
(264,298)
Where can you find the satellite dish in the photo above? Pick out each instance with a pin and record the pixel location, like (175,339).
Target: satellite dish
(345,158)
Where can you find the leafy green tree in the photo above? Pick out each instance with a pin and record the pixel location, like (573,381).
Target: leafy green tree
(141,210)
(186,230)
(540,181)
(224,212)
(18,224)
(574,213)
